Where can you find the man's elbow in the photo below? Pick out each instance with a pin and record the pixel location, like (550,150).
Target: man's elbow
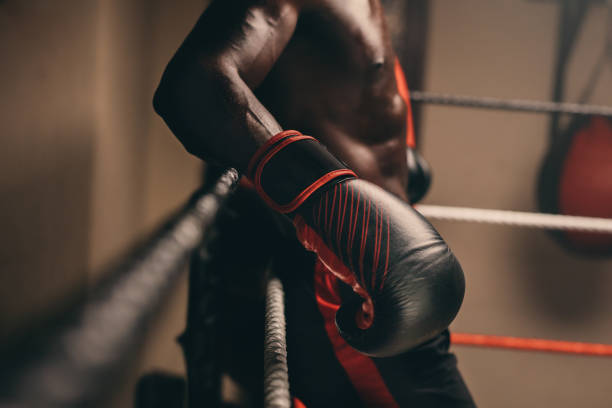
(199,103)
(187,85)
(159,100)
(166,94)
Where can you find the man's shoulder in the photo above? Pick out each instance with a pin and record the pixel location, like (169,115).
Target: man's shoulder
(271,6)
(270,3)
(280,4)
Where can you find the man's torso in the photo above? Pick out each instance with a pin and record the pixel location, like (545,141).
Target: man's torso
(335,80)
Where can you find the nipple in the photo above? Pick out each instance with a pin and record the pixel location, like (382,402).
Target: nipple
(378,64)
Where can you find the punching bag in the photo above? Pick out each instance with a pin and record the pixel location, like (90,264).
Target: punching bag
(576,175)
(576,179)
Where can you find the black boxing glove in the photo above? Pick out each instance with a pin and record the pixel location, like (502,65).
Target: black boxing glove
(409,283)
(419,175)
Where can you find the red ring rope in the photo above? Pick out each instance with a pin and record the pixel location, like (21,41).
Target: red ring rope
(519,343)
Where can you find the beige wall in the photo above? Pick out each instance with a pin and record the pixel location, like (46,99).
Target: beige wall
(141,173)
(518,281)
(86,167)
(47,125)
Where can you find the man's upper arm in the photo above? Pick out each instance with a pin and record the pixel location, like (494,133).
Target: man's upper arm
(206,94)
(245,35)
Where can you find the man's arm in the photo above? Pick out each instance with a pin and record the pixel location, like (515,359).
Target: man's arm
(410,285)
(205,95)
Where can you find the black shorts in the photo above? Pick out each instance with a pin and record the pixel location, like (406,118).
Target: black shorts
(323,370)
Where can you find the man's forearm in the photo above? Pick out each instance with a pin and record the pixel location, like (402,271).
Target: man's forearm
(213,113)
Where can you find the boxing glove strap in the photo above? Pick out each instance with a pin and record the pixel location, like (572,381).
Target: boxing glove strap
(290,167)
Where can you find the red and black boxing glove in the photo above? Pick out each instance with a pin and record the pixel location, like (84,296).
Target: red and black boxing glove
(409,283)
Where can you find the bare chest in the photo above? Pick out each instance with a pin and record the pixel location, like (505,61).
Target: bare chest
(337,68)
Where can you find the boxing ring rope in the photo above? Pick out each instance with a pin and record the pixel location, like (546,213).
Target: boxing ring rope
(518,105)
(527,220)
(517,218)
(74,362)
(527,344)
(276,372)
(81,357)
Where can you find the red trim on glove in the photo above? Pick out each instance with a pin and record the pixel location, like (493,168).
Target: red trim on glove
(297,403)
(264,148)
(300,198)
(360,369)
(312,241)
(267,151)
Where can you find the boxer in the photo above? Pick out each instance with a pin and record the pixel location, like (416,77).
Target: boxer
(371,287)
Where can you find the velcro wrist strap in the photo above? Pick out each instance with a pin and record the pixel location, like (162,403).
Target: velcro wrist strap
(290,167)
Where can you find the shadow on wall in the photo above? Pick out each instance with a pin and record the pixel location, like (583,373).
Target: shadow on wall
(574,290)
(46,155)
(45,233)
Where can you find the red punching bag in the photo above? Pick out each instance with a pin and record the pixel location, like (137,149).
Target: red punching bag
(576,179)
(586,181)
(576,175)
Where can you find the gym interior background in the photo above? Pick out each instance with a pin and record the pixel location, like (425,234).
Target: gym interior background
(87,169)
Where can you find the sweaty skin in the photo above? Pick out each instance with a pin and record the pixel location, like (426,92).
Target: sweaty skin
(250,69)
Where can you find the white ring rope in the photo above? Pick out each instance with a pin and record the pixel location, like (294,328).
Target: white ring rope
(517,218)
(519,105)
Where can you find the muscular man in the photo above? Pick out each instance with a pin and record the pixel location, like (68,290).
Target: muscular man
(367,314)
